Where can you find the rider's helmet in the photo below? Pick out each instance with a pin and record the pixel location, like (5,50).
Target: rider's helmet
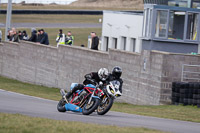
(117,72)
(103,74)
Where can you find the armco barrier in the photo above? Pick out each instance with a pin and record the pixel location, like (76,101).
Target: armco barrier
(74,12)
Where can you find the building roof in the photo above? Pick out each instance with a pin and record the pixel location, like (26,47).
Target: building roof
(171,7)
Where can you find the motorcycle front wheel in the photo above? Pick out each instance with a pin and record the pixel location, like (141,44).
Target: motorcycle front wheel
(61,106)
(90,108)
(105,105)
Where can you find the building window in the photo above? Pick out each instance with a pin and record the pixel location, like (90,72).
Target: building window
(114,43)
(132,46)
(161,23)
(123,43)
(192,25)
(196,4)
(172,24)
(176,25)
(106,42)
(147,23)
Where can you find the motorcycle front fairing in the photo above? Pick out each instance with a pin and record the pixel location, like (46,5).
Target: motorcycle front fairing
(72,107)
(75,108)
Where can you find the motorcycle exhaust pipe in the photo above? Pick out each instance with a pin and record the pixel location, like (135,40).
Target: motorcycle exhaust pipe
(63,94)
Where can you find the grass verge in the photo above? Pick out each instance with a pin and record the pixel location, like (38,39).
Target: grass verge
(80,34)
(67,7)
(48,18)
(185,113)
(29,89)
(15,123)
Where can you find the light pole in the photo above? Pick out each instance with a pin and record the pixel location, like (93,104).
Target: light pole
(8,18)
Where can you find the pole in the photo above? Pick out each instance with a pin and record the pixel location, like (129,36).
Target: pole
(8,18)
(190,3)
(0,6)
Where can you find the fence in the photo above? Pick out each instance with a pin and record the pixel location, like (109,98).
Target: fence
(190,73)
(160,2)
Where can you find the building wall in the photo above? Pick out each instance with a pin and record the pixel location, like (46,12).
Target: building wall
(147,76)
(176,47)
(120,24)
(172,68)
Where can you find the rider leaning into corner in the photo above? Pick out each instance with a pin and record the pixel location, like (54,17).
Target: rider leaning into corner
(116,75)
(101,76)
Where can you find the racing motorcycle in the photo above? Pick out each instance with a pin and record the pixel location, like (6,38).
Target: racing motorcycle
(110,92)
(85,100)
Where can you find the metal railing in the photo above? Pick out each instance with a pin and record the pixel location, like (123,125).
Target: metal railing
(190,73)
(159,2)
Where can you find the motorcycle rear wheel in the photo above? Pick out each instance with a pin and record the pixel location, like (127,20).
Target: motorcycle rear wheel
(61,106)
(90,108)
(103,108)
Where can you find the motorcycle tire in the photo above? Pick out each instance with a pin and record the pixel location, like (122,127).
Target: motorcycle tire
(61,106)
(111,100)
(87,111)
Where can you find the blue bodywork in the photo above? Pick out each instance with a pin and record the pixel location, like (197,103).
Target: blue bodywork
(72,107)
(75,108)
(90,85)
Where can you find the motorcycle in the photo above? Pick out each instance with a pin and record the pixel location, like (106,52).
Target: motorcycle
(85,100)
(111,92)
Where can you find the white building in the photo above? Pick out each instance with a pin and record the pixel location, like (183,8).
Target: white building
(122,30)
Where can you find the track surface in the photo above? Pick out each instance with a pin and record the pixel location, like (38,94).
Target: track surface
(54,25)
(11,102)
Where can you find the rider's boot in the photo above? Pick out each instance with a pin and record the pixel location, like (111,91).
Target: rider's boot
(68,94)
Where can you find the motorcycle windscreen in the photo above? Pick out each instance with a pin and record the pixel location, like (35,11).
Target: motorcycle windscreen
(73,85)
(73,108)
(90,85)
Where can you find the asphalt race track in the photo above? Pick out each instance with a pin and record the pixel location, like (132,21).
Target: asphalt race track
(11,102)
(54,25)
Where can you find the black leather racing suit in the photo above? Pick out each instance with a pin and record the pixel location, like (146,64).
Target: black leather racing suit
(91,78)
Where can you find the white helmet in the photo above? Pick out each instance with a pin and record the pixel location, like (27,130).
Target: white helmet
(103,74)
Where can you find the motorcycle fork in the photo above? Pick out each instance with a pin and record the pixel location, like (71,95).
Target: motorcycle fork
(83,101)
(91,96)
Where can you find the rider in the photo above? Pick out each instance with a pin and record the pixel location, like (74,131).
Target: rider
(116,75)
(91,78)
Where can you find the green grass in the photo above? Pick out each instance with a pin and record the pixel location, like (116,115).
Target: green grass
(80,34)
(16,123)
(29,89)
(66,7)
(185,113)
(41,18)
